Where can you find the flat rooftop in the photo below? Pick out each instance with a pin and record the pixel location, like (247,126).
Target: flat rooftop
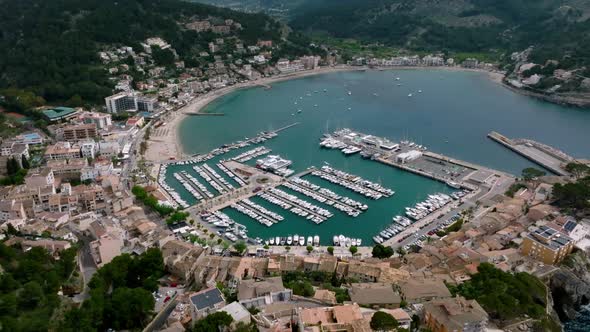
(58,113)
(550,237)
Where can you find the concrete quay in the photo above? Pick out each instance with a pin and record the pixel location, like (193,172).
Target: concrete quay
(541,154)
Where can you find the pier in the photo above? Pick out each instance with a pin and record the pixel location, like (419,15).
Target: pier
(541,154)
(203,114)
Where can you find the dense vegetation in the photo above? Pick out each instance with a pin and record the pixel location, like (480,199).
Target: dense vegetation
(302,283)
(50,47)
(120,295)
(15,174)
(382,321)
(504,295)
(29,285)
(574,196)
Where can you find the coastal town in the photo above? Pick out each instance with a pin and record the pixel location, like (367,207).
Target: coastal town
(104,181)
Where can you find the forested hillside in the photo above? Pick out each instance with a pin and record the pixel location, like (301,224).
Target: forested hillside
(50,47)
(556,27)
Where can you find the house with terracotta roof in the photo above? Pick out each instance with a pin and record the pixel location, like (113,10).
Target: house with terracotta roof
(417,290)
(339,318)
(379,295)
(455,314)
(325,295)
(261,292)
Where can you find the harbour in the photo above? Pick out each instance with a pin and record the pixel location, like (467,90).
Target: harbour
(433,173)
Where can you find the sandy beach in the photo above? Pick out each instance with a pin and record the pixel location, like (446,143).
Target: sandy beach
(164,143)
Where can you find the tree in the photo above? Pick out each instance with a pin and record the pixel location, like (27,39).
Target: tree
(403,303)
(383,321)
(12,166)
(309,249)
(334,281)
(213,322)
(130,308)
(240,247)
(330,250)
(401,252)
(25,162)
(162,57)
(578,170)
(572,196)
(30,296)
(504,295)
(531,173)
(380,251)
(243,327)
(301,287)
(353,250)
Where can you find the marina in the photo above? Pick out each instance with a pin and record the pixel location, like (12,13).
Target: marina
(413,214)
(352,182)
(461,178)
(231,174)
(326,196)
(296,205)
(251,154)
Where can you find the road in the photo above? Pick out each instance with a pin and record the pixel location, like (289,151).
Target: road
(87,266)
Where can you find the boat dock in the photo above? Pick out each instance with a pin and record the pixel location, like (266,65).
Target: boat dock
(258,139)
(285,127)
(541,154)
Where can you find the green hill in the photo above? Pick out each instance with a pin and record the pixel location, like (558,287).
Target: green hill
(51,47)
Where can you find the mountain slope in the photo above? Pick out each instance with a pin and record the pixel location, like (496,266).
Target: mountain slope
(457,25)
(50,47)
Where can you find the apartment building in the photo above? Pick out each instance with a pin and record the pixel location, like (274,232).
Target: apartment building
(79,132)
(547,245)
(62,150)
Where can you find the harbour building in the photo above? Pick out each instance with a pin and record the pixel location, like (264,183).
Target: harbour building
(547,245)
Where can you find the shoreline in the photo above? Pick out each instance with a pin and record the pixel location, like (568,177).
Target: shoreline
(169,145)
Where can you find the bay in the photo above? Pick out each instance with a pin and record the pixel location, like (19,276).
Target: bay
(452,115)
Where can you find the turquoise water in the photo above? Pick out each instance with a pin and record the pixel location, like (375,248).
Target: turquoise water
(452,116)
